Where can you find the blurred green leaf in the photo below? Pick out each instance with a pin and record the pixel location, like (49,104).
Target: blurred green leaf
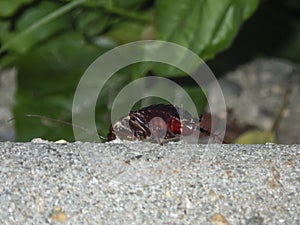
(256,137)
(91,23)
(9,7)
(129,4)
(41,18)
(205,27)
(125,32)
(47,78)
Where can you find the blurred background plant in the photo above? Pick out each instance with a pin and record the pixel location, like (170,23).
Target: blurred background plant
(51,43)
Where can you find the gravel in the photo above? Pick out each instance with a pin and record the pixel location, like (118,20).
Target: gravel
(44,182)
(255,92)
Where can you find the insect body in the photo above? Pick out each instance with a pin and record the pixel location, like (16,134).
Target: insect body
(159,123)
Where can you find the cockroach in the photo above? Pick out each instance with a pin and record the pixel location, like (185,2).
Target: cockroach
(159,123)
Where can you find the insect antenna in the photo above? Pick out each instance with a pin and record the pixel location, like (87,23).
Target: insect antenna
(61,122)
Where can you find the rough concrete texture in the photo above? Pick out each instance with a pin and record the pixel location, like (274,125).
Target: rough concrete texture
(142,183)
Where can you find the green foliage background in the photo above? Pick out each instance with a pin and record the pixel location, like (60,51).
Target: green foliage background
(51,43)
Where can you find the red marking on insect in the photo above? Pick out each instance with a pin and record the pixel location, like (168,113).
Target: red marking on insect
(159,123)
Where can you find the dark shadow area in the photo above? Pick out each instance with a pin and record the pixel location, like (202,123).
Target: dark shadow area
(269,32)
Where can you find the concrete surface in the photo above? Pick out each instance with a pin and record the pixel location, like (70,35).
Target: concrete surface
(142,183)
